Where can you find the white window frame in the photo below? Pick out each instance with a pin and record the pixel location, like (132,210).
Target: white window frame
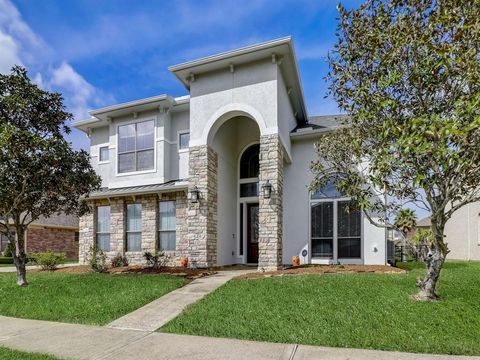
(100,147)
(103,233)
(179,133)
(133,232)
(243,201)
(136,121)
(167,230)
(335,259)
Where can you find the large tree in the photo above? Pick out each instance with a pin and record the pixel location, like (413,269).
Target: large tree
(407,73)
(40,173)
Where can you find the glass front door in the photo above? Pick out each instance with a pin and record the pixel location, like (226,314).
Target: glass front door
(252,233)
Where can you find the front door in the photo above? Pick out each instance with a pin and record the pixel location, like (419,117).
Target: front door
(252,233)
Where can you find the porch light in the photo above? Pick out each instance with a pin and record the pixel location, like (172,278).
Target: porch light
(194,195)
(267,190)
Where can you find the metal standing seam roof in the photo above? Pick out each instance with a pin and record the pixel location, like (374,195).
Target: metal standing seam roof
(139,190)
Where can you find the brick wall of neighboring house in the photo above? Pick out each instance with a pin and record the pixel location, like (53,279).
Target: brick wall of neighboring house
(56,239)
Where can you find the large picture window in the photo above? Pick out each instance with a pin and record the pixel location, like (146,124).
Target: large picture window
(335,231)
(103,228)
(167,225)
(134,227)
(136,143)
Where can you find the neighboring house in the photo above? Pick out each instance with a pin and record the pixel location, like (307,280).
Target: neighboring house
(58,233)
(462,233)
(221,175)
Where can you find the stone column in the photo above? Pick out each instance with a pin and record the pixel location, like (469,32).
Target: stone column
(117,227)
(86,235)
(202,216)
(271,210)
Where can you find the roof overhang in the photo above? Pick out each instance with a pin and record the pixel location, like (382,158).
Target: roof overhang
(103,116)
(280,50)
(138,190)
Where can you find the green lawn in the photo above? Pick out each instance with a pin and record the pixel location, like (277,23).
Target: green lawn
(81,298)
(373,311)
(20,355)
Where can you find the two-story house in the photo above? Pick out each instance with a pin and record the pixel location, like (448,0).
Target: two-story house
(221,175)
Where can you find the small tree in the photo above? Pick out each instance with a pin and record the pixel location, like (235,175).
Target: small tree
(407,72)
(40,173)
(405,221)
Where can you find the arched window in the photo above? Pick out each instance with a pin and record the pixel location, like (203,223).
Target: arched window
(329,191)
(249,163)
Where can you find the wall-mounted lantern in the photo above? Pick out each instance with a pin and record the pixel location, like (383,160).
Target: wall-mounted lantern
(267,190)
(194,195)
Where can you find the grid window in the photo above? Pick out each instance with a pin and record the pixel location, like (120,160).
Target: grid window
(167,225)
(136,144)
(103,228)
(134,227)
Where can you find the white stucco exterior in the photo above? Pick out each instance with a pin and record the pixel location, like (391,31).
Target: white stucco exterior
(236,100)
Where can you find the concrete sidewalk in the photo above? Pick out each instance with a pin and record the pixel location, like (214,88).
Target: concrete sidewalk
(10,269)
(157,313)
(82,342)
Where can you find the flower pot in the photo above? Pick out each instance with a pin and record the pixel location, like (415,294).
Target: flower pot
(295,260)
(184,262)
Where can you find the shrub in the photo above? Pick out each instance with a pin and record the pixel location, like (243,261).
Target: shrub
(119,260)
(157,260)
(48,260)
(6,260)
(8,252)
(97,259)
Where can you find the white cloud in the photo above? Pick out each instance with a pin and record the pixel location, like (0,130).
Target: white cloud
(9,53)
(77,91)
(20,45)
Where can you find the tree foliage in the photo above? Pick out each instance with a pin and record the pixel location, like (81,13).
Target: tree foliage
(407,73)
(40,173)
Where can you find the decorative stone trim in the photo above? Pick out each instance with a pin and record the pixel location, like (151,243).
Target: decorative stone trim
(271,210)
(149,227)
(202,216)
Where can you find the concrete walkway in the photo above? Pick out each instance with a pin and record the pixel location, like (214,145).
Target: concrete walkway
(9,269)
(82,342)
(157,313)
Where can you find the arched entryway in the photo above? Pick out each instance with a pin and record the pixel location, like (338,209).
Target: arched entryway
(236,143)
(232,222)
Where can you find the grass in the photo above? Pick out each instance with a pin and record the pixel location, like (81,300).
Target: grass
(373,311)
(20,355)
(81,298)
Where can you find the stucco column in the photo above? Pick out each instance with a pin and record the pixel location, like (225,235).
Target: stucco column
(202,216)
(271,210)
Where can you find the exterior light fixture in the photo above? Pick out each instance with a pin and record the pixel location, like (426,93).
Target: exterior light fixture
(194,195)
(267,190)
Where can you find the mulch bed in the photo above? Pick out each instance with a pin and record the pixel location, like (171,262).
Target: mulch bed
(135,269)
(325,269)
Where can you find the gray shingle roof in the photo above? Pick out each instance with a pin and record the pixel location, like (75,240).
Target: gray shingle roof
(322,122)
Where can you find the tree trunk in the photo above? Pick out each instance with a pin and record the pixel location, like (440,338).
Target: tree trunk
(19,256)
(437,252)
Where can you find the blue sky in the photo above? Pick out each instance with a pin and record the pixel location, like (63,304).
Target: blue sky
(98,53)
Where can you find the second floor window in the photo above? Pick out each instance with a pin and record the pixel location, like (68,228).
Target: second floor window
(183,140)
(104,155)
(136,144)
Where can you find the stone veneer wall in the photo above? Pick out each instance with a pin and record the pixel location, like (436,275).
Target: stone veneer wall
(60,240)
(149,227)
(202,216)
(271,210)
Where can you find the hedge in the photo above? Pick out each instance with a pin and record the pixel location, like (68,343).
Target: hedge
(6,260)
